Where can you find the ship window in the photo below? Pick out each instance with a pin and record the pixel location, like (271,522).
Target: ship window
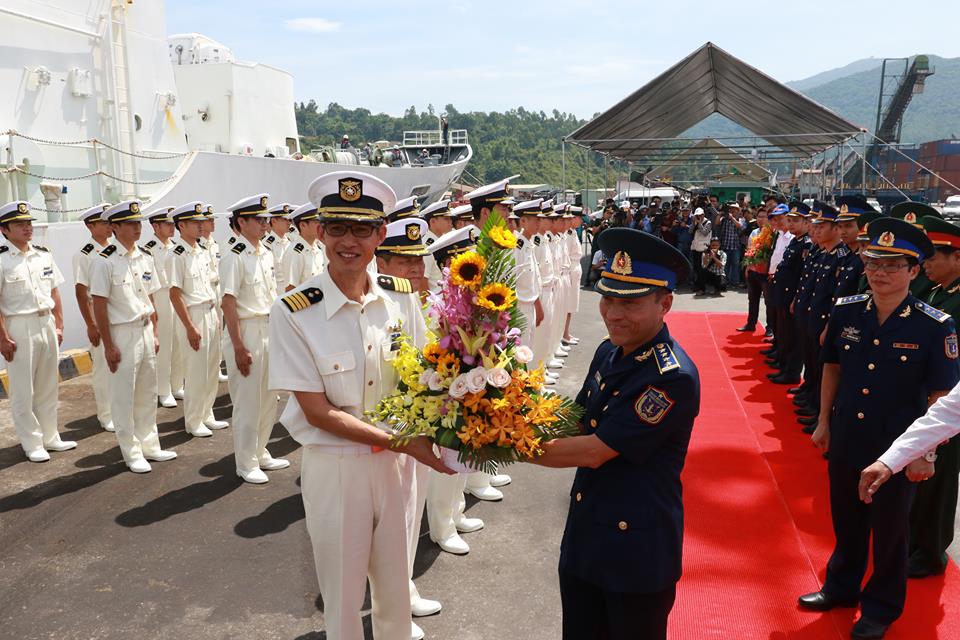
(291,145)
(420,191)
(137,122)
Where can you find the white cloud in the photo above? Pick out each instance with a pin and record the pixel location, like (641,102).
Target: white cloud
(312,25)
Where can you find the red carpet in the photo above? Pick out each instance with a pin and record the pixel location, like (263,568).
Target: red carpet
(758,530)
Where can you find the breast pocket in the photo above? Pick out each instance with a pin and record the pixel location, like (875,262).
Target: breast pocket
(14,282)
(340,385)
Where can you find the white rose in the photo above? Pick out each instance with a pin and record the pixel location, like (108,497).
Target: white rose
(498,377)
(523,354)
(425,376)
(435,381)
(458,388)
(476,379)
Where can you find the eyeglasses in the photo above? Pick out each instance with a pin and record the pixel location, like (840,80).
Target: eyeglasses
(340,229)
(885,267)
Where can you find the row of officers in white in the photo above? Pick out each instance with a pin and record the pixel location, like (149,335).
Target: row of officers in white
(155,315)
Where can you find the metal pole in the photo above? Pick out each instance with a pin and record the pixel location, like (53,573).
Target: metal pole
(842,167)
(14,185)
(863,173)
(563,160)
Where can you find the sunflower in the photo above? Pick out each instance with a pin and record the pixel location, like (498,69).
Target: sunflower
(448,365)
(496,297)
(502,237)
(433,351)
(467,269)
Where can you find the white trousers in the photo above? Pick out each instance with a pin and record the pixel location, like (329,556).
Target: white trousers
(529,312)
(133,390)
(201,368)
(444,493)
(542,353)
(354,505)
(413,477)
(576,273)
(101,384)
(34,376)
(477,480)
(254,407)
(561,304)
(169,371)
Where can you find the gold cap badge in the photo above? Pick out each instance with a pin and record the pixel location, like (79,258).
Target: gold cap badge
(413,231)
(911,217)
(886,239)
(351,190)
(22,207)
(134,207)
(622,263)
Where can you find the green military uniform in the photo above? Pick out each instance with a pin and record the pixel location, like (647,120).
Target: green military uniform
(914,212)
(934,508)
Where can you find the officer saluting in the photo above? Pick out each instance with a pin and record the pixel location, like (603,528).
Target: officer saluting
(31,328)
(886,357)
(620,557)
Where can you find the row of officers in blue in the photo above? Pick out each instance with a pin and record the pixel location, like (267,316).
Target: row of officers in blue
(861,312)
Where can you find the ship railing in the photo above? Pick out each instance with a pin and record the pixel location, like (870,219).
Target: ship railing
(434,138)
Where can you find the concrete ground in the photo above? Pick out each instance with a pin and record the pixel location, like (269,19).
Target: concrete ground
(89,550)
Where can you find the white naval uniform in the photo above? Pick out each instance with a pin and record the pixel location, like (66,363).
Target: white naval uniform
(562,290)
(190,272)
(169,369)
(127,280)
(432,271)
(278,247)
(247,274)
(101,373)
(213,249)
(27,281)
(940,423)
(575,251)
(542,352)
(353,496)
(301,262)
(528,286)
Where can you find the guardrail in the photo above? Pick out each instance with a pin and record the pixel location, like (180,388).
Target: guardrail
(434,138)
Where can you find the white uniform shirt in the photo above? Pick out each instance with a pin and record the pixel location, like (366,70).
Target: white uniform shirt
(126,280)
(548,274)
(574,250)
(162,256)
(528,273)
(27,280)
(303,261)
(778,248)
(190,271)
(82,260)
(340,348)
(279,247)
(562,257)
(213,249)
(939,424)
(432,271)
(247,274)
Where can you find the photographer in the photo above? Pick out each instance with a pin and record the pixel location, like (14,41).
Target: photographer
(728,229)
(702,234)
(713,263)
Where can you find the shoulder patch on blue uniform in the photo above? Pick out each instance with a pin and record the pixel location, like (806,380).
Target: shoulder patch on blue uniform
(950,346)
(298,247)
(666,360)
(862,297)
(300,300)
(179,249)
(933,312)
(238,248)
(109,250)
(87,248)
(652,405)
(390,283)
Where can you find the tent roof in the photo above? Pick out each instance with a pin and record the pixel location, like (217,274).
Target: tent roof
(710,153)
(708,81)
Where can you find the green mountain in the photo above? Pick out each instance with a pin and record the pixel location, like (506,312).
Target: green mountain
(866,64)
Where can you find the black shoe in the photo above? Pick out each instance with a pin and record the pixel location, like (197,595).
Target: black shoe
(768,333)
(767,338)
(809,429)
(772,362)
(796,390)
(808,420)
(919,570)
(784,378)
(866,629)
(768,352)
(806,411)
(773,374)
(799,399)
(748,327)
(820,601)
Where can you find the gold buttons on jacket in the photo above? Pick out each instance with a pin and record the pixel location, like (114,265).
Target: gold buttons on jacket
(616,393)
(336,367)
(593,422)
(903,358)
(622,525)
(865,391)
(871,366)
(603,385)
(876,341)
(860,415)
(579,497)
(846,347)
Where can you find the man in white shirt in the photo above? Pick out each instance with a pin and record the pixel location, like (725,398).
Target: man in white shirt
(169,372)
(305,258)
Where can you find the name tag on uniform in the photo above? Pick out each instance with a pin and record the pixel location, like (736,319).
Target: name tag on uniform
(850,333)
(147,276)
(905,345)
(47,272)
(395,335)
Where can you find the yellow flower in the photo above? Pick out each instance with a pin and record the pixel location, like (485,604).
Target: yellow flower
(467,269)
(432,352)
(503,238)
(496,297)
(448,365)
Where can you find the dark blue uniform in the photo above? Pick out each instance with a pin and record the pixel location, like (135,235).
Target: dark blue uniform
(621,552)
(783,290)
(849,270)
(887,373)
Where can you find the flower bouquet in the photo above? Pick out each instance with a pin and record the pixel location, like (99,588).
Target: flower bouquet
(760,249)
(469,389)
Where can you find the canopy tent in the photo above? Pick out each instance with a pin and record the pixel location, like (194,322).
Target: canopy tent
(708,81)
(714,157)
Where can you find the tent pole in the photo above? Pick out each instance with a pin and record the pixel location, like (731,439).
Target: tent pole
(863,173)
(842,167)
(563,160)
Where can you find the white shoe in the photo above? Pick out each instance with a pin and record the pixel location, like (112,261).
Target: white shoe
(469,525)
(556,363)
(422,607)
(551,375)
(222,377)
(416,633)
(161,456)
(216,425)
(60,445)
(549,382)
(140,465)
(38,455)
(256,476)
(108,427)
(200,432)
(572,342)
(486,493)
(561,352)
(454,544)
(272,464)
(500,480)
(167,401)
(178,394)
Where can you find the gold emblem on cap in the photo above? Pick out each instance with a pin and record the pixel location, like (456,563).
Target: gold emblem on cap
(886,239)
(263,202)
(135,207)
(22,207)
(844,208)
(286,208)
(911,217)
(622,263)
(198,208)
(413,231)
(351,190)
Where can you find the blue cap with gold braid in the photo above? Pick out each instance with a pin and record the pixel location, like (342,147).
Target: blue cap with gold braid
(638,264)
(893,237)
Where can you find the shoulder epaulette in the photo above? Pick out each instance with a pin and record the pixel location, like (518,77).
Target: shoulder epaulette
(390,283)
(520,243)
(4,248)
(151,244)
(270,239)
(202,244)
(299,247)
(109,250)
(39,248)
(238,248)
(862,297)
(666,360)
(179,249)
(146,250)
(87,248)
(232,239)
(536,240)
(300,300)
(933,312)
(429,241)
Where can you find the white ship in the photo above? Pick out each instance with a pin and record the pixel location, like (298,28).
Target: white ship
(99,104)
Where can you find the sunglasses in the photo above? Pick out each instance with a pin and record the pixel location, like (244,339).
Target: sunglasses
(340,229)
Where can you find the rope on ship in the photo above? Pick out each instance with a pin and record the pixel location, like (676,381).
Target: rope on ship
(95,142)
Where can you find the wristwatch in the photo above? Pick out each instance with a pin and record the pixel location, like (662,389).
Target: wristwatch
(930,456)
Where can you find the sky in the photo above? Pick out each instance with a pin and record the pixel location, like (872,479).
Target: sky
(575,56)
